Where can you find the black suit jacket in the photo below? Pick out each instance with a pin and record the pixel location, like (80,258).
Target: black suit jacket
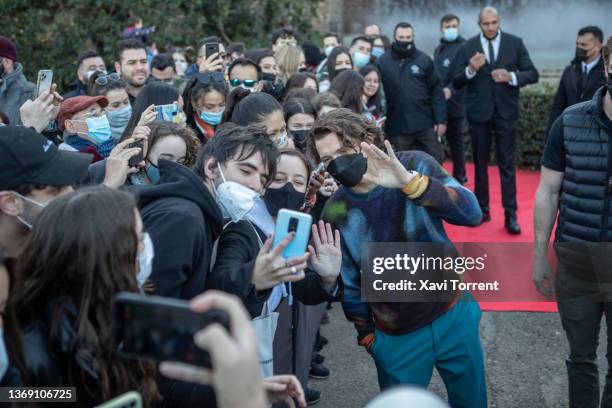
(570,92)
(484,96)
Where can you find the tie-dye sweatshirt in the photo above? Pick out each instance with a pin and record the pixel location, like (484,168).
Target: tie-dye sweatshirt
(388,215)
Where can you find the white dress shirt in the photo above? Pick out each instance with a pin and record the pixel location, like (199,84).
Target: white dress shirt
(590,65)
(484,42)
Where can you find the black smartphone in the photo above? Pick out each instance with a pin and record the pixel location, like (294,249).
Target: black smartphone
(161,329)
(135,160)
(211,48)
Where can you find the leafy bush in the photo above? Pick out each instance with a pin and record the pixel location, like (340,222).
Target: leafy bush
(534,111)
(50,34)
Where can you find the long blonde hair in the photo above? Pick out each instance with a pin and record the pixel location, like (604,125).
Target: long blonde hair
(288,60)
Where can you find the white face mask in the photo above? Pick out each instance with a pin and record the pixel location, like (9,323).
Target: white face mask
(31,201)
(328,51)
(145,261)
(235,200)
(4,360)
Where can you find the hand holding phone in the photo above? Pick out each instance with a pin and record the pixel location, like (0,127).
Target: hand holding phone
(162,329)
(289,221)
(271,268)
(235,374)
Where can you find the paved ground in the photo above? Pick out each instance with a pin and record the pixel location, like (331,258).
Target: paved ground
(524,355)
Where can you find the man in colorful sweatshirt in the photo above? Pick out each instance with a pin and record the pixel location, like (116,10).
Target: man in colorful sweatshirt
(403,198)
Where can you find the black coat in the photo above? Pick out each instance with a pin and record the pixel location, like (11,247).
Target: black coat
(570,92)
(415,100)
(237,249)
(184,221)
(484,96)
(444,61)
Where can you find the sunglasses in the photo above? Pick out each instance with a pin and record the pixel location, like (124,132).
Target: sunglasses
(104,79)
(249,83)
(210,78)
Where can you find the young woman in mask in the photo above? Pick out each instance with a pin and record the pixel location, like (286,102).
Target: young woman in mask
(372,91)
(348,87)
(339,60)
(204,98)
(266,61)
(299,117)
(245,108)
(164,141)
(71,276)
(181,62)
(380,45)
(118,110)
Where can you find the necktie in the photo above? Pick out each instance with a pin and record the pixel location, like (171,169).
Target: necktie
(583,79)
(491,53)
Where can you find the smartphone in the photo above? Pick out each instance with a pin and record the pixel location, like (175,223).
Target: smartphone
(293,221)
(161,329)
(135,160)
(320,168)
(211,48)
(381,122)
(44,81)
(167,113)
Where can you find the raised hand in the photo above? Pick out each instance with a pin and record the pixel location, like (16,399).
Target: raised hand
(384,169)
(325,254)
(477,61)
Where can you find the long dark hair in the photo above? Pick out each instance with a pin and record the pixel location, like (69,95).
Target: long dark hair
(154,93)
(245,108)
(331,60)
(374,101)
(294,106)
(82,251)
(195,89)
(348,87)
(298,80)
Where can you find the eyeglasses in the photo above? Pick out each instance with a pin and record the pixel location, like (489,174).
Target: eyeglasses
(248,83)
(103,79)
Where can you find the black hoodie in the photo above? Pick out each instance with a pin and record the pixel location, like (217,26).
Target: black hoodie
(183,220)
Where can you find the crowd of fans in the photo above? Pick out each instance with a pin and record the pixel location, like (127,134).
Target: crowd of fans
(178,169)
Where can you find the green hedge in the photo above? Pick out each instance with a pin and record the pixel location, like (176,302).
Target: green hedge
(51,33)
(535,103)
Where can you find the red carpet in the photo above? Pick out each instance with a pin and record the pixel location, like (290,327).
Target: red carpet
(494,231)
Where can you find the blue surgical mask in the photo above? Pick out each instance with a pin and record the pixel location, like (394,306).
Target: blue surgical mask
(212,118)
(282,140)
(153,173)
(450,34)
(377,52)
(361,59)
(99,130)
(118,120)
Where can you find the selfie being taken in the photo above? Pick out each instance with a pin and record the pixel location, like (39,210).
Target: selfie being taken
(286,204)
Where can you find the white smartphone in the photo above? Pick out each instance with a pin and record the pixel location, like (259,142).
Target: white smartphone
(44,81)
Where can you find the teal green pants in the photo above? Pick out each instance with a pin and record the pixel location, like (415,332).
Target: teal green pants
(451,343)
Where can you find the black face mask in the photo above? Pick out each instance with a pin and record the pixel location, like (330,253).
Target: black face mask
(349,169)
(267,76)
(581,55)
(404,44)
(338,71)
(300,137)
(609,84)
(304,69)
(284,197)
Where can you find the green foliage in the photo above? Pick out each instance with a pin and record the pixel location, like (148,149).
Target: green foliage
(50,34)
(534,111)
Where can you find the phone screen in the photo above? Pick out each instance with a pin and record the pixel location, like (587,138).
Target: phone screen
(167,113)
(161,329)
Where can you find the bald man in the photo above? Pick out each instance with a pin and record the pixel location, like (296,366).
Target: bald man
(493,65)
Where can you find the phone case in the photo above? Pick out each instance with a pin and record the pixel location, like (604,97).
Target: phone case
(44,82)
(300,223)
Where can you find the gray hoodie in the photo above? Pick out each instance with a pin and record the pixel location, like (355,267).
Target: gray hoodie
(14,91)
